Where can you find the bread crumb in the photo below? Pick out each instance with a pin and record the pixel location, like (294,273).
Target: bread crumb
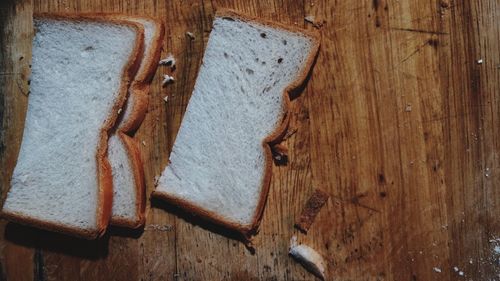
(167,79)
(408,107)
(168,61)
(119,111)
(157,227)
(165,99)
(308,258)
(280,153)
(479,61)
(190,35)
(437,269)
(487,172)
(144,143)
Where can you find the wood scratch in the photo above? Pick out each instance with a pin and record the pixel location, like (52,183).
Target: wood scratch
(416,50)
(419,31)
(355,201)
(21,89)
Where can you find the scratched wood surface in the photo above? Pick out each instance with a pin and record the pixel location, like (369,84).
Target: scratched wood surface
(399,122)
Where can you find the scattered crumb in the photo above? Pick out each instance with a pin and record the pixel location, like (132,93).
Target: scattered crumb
(470,261)
(479,61)
(408,107)
(280,153)
(437,269)
(461,273)
(119,111)
(144,143)
(455,268)
(168,61)
(165,98)
(157,227)
(167,79)
(190,35)
(487,172)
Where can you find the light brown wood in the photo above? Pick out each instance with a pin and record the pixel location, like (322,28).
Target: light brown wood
(399,122)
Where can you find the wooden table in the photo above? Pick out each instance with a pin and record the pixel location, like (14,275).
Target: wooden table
(399,122)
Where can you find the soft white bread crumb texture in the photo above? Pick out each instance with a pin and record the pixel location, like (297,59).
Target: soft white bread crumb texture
(124,188)
(77,67)
(217,161)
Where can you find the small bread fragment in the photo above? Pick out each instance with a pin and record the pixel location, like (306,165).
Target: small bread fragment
(311,210)
(308,257)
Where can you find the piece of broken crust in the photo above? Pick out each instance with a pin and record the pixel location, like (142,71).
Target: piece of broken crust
(311,209)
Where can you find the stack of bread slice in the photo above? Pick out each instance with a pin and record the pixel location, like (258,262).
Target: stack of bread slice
(78,167)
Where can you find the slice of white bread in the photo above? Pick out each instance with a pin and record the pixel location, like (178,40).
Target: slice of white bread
(81,69)
(220,164)
(124,155)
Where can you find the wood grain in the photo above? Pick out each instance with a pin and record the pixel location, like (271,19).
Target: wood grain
(399,122)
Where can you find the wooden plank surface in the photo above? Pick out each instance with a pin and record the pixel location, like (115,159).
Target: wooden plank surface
(399,122)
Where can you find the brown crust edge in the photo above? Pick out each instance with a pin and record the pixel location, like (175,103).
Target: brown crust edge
(248,230)
(142,82)
(104,177)
(139,89)
(135,161)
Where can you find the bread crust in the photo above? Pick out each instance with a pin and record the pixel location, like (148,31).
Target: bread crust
(135,161)
(104,176)
(247,231)
(313,205)
(141,84)
(139,92)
